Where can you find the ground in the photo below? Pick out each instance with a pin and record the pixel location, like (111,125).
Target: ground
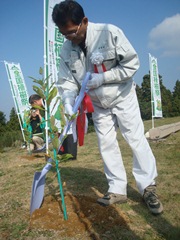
(83,182)
(86,218)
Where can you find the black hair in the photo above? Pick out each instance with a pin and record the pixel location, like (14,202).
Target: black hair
(66,11)
(34,97)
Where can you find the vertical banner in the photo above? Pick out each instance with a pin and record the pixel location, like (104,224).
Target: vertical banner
(53,42)
(18,89)
(155,88)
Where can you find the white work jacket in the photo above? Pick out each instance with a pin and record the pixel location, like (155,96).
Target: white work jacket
(119,58)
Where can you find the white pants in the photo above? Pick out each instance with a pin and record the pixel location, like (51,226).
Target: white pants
(126,115)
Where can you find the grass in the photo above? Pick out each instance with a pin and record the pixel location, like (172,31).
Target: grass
(86,175)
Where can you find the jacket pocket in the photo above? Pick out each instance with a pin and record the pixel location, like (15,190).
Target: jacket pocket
(76,65)
(109,59)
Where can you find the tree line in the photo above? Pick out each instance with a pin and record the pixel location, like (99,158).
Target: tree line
(10,130)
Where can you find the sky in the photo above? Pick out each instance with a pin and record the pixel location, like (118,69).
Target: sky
(151,27)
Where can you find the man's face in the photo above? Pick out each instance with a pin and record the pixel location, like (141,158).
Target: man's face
(75,33)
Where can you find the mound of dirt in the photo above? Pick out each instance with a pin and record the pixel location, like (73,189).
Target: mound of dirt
(85,216)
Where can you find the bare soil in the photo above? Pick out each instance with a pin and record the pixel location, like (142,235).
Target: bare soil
(85,217)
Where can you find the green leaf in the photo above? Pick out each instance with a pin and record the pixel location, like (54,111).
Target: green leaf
(52,85)
(57,99)
(26,115)
(38,81)
(52,121)
(38,107)
(41,71)
(57,115)
(46,87)
(66,157)
(51,95)
(70,117)
(39,91)
(55,142)
(54,129)
(63,120)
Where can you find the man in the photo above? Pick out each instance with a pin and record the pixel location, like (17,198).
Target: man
(35,99)
(103,50)
(35,127)
(68,146)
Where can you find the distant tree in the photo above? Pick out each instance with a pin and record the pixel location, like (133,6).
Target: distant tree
(144,97)
(176,99)
(166,99)
(138,92)
(2,118)
(2,122)
(13,123)
(176,92)
(139,96)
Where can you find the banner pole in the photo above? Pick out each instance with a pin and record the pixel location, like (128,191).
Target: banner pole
(45,76)
(22,129)
(151,85)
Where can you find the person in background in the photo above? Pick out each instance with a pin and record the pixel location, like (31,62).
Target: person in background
(35,99)
(35,127)
(105,52)
(68,146)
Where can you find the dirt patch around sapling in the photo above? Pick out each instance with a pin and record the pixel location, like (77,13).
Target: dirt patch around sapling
(85,216)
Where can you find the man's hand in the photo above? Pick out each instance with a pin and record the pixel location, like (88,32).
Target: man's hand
(37,111)
(68,109)
(96,81)
(38,114)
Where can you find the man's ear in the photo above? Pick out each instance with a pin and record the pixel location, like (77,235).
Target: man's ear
(85,21)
